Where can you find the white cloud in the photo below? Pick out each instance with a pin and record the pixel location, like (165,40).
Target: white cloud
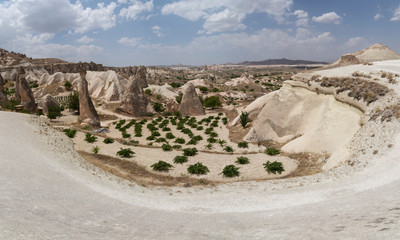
(30,39)
(157,31)
(226,15)
(89,19)
(330,17)
(42,16)
(396,15)
(136,8)
(224,21)
(85,39)
(129,42)
(378,16)
(357,43)
(302,18)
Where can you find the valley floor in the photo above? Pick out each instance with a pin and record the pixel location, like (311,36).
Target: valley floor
(49,192)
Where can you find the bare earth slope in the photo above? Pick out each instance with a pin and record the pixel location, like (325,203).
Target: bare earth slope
(49,192)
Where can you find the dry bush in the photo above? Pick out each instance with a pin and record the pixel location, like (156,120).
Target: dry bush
(358,88)
(358,74)
(383,75)
(388,113)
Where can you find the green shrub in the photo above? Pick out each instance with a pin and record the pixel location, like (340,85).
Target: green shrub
(213,134)
(200,128)
(161,166)
(68,85)
(126,135)
(156,133)
(125,153)
(169,136)
(230,171)
(158,140)
(166,129)
(147,92)
(198,169)
(274,167)
(134,142)
(73,101)
(96,150)
(151,138)
(158,107)
(180,159)
(225,120)
(189,151)
(243,145)
(54,112)
(221,142)
(166,147)
(90,138)
(212,102)
(242,160)
(244,119)
(176,146)
(198,138)
(211,140)
(192,142)
(108,140)
(272,151)
(70,132)
(203,89)
(180,140)
(228,149)
(209,146)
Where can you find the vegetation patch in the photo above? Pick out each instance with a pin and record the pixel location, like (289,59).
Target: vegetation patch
(272,151)
(230,171)
(70,132)
(90,138)
(189,151)
(274,167)
(180,159)
(125,153)
(242,160)
(198,169)
(161,166)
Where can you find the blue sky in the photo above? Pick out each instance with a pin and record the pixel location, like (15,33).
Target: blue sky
(196,32)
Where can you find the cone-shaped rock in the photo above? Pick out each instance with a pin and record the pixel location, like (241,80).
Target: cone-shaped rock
(47,102)
(15,79)
(134,100)
(141,77)
(3,95)
(25,92)
(191,104)
(87,112)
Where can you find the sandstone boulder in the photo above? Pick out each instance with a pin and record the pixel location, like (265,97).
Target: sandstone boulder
(135,101)
(47,102)
(25,92)
(3,95)
(191,104)
(141,77)
(172,106)
(87,112)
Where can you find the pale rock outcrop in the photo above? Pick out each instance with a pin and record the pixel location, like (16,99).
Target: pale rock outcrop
(87,112)
(135,101)
(304,121)
(376,52)
(191,104)
(25,92)
(172,106)
(3,95)
(47,102)
(141,77)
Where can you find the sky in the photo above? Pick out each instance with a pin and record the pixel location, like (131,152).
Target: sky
(196,32)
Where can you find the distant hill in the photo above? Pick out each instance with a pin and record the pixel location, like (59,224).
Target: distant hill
(282,61)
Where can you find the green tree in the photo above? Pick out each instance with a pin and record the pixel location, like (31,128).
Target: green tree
(73,101)
(68,85)
(212,102)
(244,119)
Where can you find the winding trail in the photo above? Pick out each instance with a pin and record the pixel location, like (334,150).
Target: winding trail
(48,192)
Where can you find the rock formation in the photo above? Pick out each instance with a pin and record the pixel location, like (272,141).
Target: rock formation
(3,95)
(87,112)
(141,77)
(376,52)
(172,106)
(15,79)
(135,101)
(191,104)
(47,102)
(25,92)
